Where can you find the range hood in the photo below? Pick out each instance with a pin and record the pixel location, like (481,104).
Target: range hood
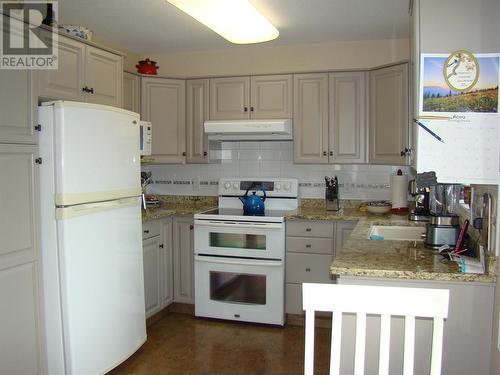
(249,130)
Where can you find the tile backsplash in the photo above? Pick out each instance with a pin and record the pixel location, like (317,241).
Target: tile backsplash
(271,159)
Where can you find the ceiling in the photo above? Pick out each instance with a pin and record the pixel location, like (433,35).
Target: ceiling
(156,26)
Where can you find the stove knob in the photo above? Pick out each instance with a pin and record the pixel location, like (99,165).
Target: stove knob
(286,187)
(227,185)
(236,186)
(277,186)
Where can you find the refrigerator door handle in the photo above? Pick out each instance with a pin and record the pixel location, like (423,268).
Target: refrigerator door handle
(69,212)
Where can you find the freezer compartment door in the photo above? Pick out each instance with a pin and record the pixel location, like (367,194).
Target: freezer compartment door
(96,153)
(102,284)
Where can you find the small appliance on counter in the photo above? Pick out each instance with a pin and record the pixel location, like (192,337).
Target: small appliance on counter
(443,227)
(421,195)
(332,193)
(399,193)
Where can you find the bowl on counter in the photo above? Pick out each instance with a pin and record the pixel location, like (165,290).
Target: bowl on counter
(378,207)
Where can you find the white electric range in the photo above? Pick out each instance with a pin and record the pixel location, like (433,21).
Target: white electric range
(240,259)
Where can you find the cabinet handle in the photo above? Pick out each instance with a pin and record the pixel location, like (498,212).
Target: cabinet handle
(308,229)
(184,153)
(308,270)
(146,231)
(324,153)
(191,227)
(205,153)
(38,160)
(85,89)
(245,109)
(38,127)
(405,152)
(91,90)
(161,246)
(331,153)
(308,246)
(251,109)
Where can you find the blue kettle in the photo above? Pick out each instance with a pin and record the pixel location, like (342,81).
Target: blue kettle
(253,205)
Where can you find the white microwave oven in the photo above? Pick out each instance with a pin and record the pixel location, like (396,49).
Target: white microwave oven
(146,137)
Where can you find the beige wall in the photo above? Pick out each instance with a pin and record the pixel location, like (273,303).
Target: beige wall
(242,60)
(130,59)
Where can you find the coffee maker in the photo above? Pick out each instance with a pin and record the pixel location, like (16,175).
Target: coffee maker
(332,193)
(443,227)
(421,211)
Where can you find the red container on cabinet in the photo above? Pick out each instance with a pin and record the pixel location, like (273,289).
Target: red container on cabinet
(147,67)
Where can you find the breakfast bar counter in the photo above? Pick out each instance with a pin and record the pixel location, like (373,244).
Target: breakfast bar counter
(362,257)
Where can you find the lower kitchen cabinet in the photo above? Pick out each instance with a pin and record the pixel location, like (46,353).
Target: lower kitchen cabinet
(20,325)
(310,250)
(157,261)
(183,244)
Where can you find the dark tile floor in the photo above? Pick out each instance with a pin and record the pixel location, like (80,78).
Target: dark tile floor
(183,345)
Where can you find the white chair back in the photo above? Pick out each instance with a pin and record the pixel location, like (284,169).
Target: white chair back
(377,300)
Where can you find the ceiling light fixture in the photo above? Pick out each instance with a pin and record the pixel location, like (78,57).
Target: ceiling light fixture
(236,20)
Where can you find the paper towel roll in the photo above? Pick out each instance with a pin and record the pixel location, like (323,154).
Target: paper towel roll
(399,191)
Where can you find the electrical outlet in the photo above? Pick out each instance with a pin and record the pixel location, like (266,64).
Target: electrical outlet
(195,183)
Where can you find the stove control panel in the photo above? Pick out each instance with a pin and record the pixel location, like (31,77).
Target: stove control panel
(283,187)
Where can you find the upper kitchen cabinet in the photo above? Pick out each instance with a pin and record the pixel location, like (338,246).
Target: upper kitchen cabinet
(347,118)
(229,98)
(310,118)
(389,115)
(163,103)
(257,97)
(17,103)
(271,96)
(197,103)
(131,92)
(18,106)
(85,73)
(104,77)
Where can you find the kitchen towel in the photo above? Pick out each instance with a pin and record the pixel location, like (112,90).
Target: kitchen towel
(399,189)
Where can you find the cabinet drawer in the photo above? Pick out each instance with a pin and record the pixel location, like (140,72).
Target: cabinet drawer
(310,228)
(150,229)
(308,268)
(309,245)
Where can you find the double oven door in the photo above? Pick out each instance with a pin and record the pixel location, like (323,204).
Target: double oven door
(239,271)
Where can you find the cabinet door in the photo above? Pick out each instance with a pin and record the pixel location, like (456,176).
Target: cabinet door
(167,277)
(197,103)
(151,264)
(20,337)
(389,115)
(343,230)
(271,96)
(104,76)
(347,127)
(131,92)
(18,106)
(163,103)
(229,98)
(67,81)
(183,260)
(310,118)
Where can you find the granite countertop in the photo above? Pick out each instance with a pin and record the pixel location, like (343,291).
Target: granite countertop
(179,205)
(385,259)
(361,256)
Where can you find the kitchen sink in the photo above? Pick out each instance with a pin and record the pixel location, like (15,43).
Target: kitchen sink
(396,233)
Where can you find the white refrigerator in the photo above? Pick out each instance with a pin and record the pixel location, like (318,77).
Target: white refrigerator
(91,237)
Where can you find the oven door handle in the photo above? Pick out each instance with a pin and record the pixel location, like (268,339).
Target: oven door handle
(239,262)
(235,224)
